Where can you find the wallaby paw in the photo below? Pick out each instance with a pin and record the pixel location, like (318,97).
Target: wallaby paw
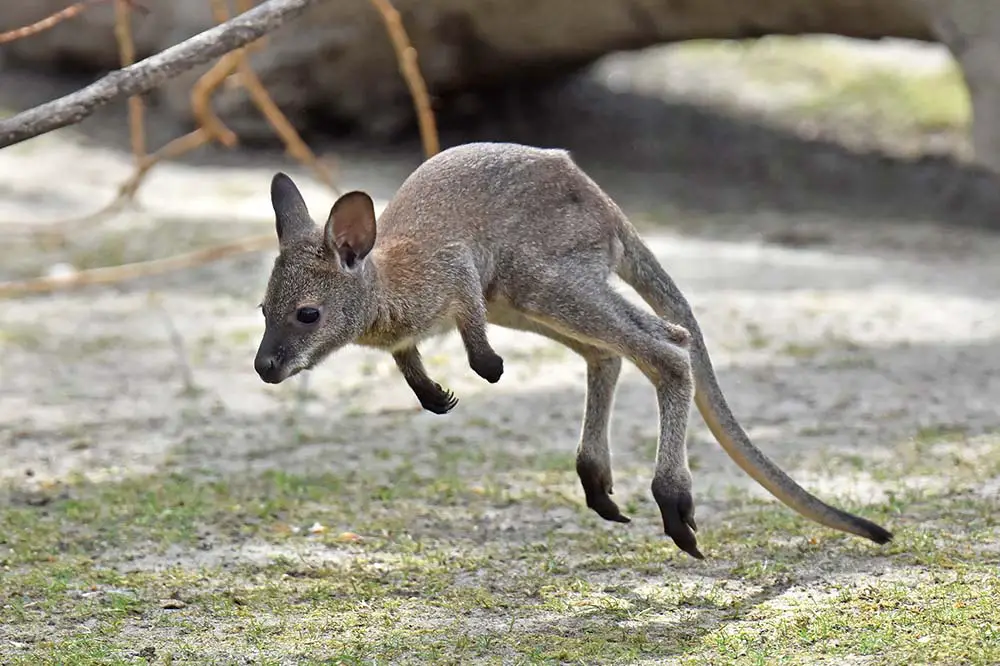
(488,366)
(438,401)
(597,490)
(677,509)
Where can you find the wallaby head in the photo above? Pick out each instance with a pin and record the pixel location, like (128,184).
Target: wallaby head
(320,292)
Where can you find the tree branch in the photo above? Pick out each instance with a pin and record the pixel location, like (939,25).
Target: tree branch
(406,55)
(151,72)
(113,274)
(53,20)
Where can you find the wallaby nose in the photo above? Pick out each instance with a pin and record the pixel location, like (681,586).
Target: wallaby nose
(267,368)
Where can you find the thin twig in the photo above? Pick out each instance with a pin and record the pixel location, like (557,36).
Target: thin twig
(151,72)
(126,52)
(190,387)
(201,99)
(127,190)
(296,147)
(55,19)
(114,274)
(248,78)
(210,127)
(176,148)
(201,93)
(406,55)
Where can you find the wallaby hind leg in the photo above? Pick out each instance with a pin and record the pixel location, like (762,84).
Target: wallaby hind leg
(593,454)
(432,397)
(594,313)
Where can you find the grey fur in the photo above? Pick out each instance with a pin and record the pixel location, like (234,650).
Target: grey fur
(518,237)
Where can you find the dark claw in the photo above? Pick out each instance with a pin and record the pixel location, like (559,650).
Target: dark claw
(439,401)
(677,510)
(606,508)
(488,366)
(597,491)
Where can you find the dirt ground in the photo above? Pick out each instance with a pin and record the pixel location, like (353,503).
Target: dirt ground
(164,504)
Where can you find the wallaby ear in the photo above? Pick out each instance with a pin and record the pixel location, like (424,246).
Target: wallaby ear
(291,216)
(350,229)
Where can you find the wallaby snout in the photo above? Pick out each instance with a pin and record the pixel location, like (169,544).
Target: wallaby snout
(272,369)
(271,362)
(267,367)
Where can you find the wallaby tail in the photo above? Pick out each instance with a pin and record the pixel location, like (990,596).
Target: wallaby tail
(642,271)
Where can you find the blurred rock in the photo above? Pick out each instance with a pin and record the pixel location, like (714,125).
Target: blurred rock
(971,30)
(336,65)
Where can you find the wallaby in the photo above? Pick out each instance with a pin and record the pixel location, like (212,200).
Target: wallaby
(519,237)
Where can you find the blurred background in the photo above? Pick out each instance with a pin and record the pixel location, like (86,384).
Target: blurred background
(819,176)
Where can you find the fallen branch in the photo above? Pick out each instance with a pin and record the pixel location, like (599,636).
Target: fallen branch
(406,55)
(152,71)
(112,274)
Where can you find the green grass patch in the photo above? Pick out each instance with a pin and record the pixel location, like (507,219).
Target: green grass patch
(815,78)
(191,568)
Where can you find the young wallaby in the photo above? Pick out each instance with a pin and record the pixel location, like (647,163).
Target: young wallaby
(518,237)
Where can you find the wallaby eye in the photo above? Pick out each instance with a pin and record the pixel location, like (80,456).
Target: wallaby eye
(307,315)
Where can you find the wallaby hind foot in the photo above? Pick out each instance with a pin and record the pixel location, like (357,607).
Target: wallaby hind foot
(677,511)
(593,456)
(597,490)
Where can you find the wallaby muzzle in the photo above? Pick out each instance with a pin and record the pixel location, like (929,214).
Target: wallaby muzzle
(268,369)
(269,362)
